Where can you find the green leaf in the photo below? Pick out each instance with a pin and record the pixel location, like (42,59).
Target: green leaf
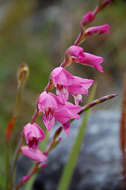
(70,165)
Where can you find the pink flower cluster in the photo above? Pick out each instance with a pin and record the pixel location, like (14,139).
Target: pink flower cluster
(56,107)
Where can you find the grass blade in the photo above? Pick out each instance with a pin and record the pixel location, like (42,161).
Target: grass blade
(69,168)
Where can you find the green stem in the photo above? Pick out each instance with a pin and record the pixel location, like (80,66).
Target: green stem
(16,154)
(20,85)
(8,139)
(70,165)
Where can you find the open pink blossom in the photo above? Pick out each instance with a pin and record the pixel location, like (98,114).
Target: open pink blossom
(47,104)
(66,84)
(86,19)
(33,134)
(79,56)
(103,29)
(34,154)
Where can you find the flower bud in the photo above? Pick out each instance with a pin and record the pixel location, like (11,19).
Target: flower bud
(86,19)
(103,29)
(105,3)
(22,74)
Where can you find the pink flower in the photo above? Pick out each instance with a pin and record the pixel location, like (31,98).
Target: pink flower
(103,29)
(66,83)
(33,135)
(34,154)
(86,19)
(47,104)
(79,56)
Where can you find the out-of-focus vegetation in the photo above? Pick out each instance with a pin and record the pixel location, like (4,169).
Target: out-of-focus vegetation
(38,33)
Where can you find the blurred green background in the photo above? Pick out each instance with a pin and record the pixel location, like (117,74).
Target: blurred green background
(38,32)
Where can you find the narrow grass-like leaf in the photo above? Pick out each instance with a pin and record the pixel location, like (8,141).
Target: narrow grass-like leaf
(70,165)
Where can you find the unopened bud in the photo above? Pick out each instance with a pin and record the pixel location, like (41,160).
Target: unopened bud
(24,179)
(103,29)
(22,74)
(86,19)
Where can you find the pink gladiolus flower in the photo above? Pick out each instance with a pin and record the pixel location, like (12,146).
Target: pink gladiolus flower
(33,135)
(47,104)
(34,154)
(66,83)
(103,29)
(79,56)
(86,19)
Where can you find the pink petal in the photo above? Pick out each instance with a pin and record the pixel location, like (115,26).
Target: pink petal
(78,99)
(33,131)
(76,52)
(49,121)
(80,86)
(66,127)
(63,94)
(61,76)
(67,112)
(34,154)
(74,109)
(63,115)
(46,100)
(93,61)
